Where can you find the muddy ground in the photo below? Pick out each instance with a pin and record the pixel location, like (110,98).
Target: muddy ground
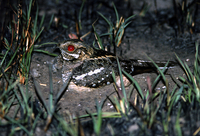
(150,35)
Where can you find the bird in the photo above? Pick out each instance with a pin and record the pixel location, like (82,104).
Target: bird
(91,67)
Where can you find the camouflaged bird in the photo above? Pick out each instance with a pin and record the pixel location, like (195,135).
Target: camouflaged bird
(93,68)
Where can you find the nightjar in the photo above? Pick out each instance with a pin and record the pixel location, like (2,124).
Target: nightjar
(93,68)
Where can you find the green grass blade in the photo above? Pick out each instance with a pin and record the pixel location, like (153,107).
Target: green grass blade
(24,97)
(46,52)
(116,13)
(125,25)
(99,117)
(105,34)
(121,80)
(139,90)
(160,71)
(47,43)
(11,86)
(13,56)
(189,73)
(196,66)
(131,89)
(161,74)
(125,22)
(28,60)
(42,22)
(51,106)
(20,126)
(109,23)
(97,122)
(35,123)
(4,57)
(63,89)
(182,65)
(41,97)
(113,75)
(177,95)
(37,36)
(7,44)
(51,20)
(35,22)
(177,124)
(68,128)
(79,15)
(9,105)
(29,11)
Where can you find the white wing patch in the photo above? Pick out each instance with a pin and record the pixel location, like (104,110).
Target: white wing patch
(89,73)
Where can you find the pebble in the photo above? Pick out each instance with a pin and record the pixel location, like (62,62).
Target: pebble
(35,73)
(133,128)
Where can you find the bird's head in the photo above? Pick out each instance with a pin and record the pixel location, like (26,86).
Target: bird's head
(75,50)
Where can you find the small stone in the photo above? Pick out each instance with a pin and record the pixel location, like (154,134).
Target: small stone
(133,128)
(35,73)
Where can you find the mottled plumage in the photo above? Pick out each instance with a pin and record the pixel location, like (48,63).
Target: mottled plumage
(92,67)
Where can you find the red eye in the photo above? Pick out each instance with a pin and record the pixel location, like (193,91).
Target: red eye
(70,48)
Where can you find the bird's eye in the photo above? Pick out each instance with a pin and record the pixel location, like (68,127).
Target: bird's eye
(70,48)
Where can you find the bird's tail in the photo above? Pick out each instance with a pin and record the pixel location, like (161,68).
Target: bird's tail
(135,67)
